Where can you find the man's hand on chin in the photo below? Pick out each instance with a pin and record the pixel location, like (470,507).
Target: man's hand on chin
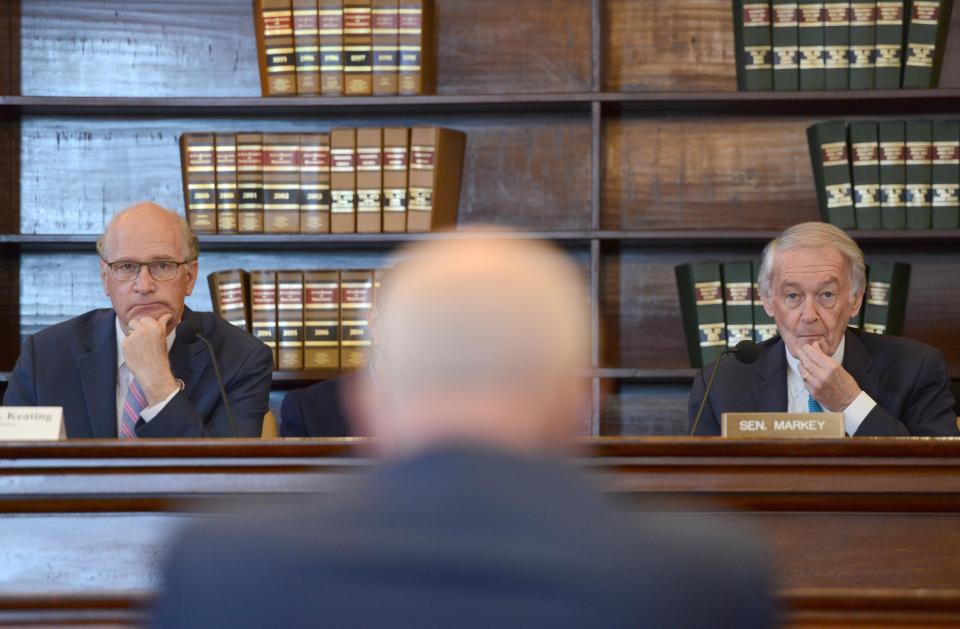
(826,379)
(145,350)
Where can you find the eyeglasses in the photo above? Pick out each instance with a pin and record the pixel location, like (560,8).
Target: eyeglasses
(161,270)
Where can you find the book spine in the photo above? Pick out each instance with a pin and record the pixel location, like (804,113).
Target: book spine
(836,42)
(274,28)
(386,47)
(886,298)
(831,171)
(396,159)
(764,327)
(343,181)
(281,183)
(357,48)
(756,53)
(198,164)
(701,300)
(786,53)
(331,47)
(250,182)
(863,35)
(738,301)
(263,306)
(228,294)
(865,166)
(225,145)
(893,175)
(811,44)
(946,175)
(926,36)
(290,320)
(315,183)
(355,303)
(436,163)
(321,323)
(888,52)
(919,174)
(369,180)
(416,72)
(306,38)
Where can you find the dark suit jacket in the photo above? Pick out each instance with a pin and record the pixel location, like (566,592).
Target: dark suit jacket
(318,410)
(463,538)
(74,365)
(908,380)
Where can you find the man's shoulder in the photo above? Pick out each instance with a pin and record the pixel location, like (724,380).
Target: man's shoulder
(226,336)
(888,348)
(79,327)
(730,365)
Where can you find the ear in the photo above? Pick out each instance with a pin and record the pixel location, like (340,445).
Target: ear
(767,305)
(105,277)
(857,303)
(193,269)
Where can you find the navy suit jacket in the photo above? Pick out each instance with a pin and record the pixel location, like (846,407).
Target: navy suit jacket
(318,410)
(73,364)
(463,538)
(908,380)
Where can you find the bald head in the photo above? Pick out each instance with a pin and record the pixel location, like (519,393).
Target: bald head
(480,340)
(148,217)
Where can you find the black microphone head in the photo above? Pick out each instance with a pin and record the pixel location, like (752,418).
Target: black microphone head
(187,331)
(747,352)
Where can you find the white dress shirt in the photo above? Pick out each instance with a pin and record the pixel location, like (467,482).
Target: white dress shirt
(125,377)
(797,394)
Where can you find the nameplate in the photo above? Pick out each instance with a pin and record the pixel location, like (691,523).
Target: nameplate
(31,423)
(783,425)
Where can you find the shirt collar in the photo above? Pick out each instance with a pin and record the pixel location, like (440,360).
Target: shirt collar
(794,379)
(121,360)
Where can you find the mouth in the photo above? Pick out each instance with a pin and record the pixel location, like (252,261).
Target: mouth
(146,307)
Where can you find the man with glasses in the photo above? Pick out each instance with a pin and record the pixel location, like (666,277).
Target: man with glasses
(124,372)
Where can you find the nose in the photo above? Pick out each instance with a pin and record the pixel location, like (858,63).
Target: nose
(144,282)
(809,313)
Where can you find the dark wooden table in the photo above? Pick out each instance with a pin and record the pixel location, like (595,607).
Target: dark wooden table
(855,528)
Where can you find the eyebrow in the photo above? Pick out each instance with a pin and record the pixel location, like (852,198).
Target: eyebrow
(830,282)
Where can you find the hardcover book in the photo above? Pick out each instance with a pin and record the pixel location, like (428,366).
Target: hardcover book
(281,183)
(946,175)
(274,30)
(369,180)
(228,292)
(885,309)
(357,48)
(893,175)
(831,172)
(315,183)
(321,316)
(197,159)
(888,54)
(436,163)
(764,327)
(836,45)
(386,47)
(396,149)
(865,158)
(263,308)
(863,38)
(811,40)
(700,288)
(227,193)
(417,66)
(343,181)
(250,182)
(330,15)
(786,53)
(919,173)
(926,40)
(290,320)
(355,303)
(754,45)
(306,38)
(738,301)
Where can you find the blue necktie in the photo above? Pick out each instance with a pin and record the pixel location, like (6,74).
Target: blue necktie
(813,406)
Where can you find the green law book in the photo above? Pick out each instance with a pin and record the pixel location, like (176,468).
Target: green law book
(764,327)
(919,173)
(836,45)
(893,174)
(831,172)
(863,35)
(810,38)
(753,44)
(885,302)
(946,175)
(701,304)
(786,54)
(738,301)
(865,167)
(888,51)
(926,40)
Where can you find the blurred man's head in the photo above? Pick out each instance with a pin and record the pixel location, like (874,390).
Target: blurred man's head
(479,341)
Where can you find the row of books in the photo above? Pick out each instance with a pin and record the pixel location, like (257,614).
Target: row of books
(852,44)
(311,320)
(887,175)
(345,181)
(344,47)
(721,306)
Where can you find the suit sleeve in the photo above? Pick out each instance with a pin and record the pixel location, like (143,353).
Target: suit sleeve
(709,426)
(22,388)
(292,422)
(249,395)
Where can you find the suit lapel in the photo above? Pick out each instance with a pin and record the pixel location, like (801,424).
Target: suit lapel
(98,375)
(188,362)
(770,380)
(857,362)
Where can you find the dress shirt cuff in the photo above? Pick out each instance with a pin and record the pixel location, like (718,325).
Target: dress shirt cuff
(858,410)
(152,411)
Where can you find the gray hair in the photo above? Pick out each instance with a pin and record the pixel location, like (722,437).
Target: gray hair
(814,236)
(189,238)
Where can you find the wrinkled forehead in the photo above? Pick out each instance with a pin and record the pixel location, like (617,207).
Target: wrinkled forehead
(810,267)
(145,241)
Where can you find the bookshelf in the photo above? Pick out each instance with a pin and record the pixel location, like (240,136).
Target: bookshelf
(591,124)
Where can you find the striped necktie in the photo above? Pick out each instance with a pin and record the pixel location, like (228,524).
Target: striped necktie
(133,405)
(813,406)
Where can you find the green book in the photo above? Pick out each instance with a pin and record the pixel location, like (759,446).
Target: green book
(863,35)
(738,301)
(865,168)
(831,173)
(764,327)
(754,45)
(856,321)
(893,174)
(836,45)
(885,302)
(888,52)
(786,54)
(946,175)
(701,304)
(926,40)
(811,43)
(919,173)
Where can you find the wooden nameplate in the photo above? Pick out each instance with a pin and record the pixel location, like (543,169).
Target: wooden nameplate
(783,425)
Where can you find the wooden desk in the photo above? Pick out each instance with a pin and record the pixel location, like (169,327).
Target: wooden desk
(853,525)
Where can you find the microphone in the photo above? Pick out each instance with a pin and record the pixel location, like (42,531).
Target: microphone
(746,352)
(189,333)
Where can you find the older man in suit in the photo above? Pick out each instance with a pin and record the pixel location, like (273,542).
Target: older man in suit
(140,370)
(811,280)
